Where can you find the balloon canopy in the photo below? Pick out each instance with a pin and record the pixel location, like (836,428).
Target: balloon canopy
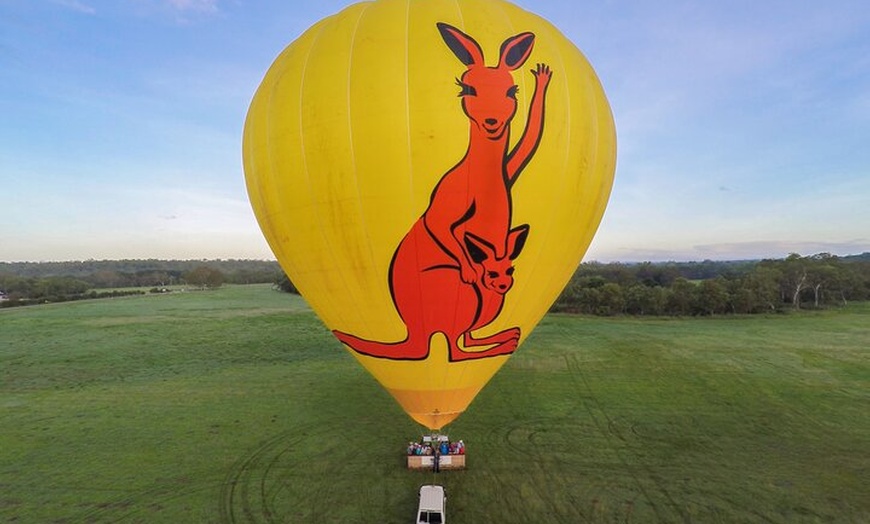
(429,174)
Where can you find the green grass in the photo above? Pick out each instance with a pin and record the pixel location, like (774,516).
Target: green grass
(238,406)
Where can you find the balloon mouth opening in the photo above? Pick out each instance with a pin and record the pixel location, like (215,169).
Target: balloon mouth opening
(435,421)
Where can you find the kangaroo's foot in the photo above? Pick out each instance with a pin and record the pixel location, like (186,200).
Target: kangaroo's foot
(506,343)
(403,350)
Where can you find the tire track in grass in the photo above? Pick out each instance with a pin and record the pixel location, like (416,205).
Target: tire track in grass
(527,439)
(530,449)
(807,422)
(140,506)
(500,483)
(253,484)
(238,501)
(609,426)
(608,429)
(331,462)
(269,492)
(520,438)
(796,377)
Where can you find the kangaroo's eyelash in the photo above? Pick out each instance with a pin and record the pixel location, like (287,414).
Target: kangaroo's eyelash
(512,91)
(467,90)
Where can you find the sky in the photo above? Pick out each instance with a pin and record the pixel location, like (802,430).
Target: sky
(743,126)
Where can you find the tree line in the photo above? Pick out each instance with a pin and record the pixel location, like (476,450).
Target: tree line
(716,288)
(143,272)
(672,288)
(25,283)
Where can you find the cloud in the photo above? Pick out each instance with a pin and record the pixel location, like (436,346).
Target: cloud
(194,6)
(147,221)
(181,12)
(75,5)
(752,250)
(194,211)
(779,249)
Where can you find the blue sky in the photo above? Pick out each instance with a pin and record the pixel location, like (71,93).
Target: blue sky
(743,126)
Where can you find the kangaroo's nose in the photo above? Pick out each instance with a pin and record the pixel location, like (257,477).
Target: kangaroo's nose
(491,121)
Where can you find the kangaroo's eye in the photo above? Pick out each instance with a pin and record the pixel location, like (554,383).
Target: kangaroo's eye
(493,274)
(512,92)
(509,272)
(467,90)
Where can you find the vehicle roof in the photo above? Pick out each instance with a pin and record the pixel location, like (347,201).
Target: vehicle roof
(432,497)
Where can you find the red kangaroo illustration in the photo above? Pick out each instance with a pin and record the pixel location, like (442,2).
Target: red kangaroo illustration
(451,271)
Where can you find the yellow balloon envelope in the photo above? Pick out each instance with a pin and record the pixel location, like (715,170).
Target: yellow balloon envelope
(429,174)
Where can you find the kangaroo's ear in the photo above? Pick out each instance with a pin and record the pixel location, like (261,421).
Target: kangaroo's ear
(515,50)
(478,248)
(463,46)
(516,240)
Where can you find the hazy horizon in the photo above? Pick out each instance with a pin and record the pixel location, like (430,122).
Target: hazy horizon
(272,259)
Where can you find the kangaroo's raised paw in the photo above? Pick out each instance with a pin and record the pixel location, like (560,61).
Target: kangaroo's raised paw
(542,73)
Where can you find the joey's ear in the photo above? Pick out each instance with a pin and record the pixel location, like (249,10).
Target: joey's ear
(462,45)
(516,240)
(478,248)
(515,50)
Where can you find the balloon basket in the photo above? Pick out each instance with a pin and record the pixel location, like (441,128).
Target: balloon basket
(436,452)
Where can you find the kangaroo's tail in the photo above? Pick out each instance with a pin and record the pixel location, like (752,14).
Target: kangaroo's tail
(403,350)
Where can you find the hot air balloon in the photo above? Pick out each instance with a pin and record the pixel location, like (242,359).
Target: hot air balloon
(429,174)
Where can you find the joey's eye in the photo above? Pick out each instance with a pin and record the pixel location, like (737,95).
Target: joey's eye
(512,92)
(467,90)
(492,274)
(509,272)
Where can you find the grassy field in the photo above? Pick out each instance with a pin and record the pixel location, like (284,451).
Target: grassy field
(238,406)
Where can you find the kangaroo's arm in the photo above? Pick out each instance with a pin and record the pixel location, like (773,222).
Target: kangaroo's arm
(442,218)
(528,143)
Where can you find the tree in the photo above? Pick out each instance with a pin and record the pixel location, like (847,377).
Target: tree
(822,270)
(757,291)
(611,302)
(680,297)
(849,284)
(284,283)
(794,281)
(641,299)
(712,296)
(107,278)
(16,287)
(204,277)
(54,288)
(656,274)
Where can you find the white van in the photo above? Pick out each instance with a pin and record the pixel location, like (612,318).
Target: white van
(430,510)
